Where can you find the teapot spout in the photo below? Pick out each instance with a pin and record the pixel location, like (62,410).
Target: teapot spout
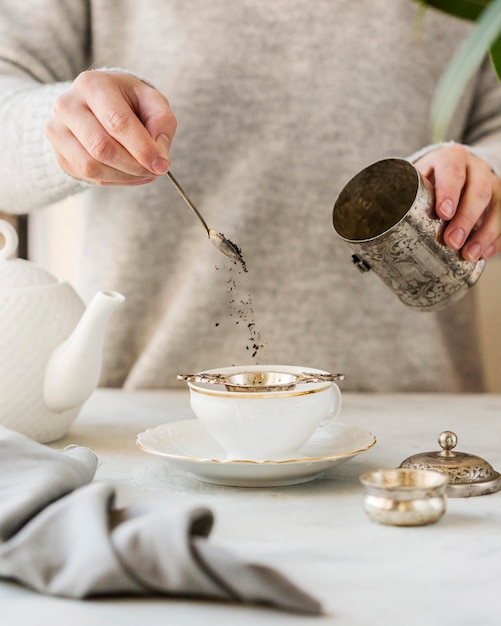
(74,367)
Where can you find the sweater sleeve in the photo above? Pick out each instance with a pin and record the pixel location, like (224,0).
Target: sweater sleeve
(42,49)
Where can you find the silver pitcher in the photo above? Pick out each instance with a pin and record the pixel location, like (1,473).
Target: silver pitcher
(386,213)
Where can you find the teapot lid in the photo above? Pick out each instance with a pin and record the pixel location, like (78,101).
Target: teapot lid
(468,474)
(18,272)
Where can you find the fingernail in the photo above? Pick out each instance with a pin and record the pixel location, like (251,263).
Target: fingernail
(472,252)
(490,251)
(164,143)
(457,238)
(160,165)
(447,209)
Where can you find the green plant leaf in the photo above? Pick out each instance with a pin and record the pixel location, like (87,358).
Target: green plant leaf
(466,9)
(464,64)
(495,53)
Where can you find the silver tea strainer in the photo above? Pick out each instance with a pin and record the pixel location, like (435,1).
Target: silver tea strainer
(259,380)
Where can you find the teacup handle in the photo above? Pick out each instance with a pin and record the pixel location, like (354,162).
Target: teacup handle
(335,404)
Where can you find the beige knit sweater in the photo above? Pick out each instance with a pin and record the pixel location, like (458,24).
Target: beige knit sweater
(279,103)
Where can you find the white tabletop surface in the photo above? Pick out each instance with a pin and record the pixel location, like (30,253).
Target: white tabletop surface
(364,573)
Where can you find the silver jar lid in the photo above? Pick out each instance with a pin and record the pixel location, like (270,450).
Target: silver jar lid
(469,475)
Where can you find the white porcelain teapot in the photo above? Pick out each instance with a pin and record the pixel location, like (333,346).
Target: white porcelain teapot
(50,345)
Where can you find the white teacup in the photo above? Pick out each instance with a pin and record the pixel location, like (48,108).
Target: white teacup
(264,425)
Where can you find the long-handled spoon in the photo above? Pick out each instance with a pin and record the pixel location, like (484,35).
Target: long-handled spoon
(217,239)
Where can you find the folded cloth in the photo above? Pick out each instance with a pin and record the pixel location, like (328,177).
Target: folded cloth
(61,534)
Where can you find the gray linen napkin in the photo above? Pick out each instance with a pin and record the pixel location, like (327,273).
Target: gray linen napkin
(60,534)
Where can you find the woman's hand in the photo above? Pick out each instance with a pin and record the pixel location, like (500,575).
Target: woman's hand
(468,196)
(111,128)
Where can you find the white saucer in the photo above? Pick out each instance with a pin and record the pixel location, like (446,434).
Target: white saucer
(187,444)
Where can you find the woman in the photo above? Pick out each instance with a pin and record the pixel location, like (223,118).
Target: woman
(277,105)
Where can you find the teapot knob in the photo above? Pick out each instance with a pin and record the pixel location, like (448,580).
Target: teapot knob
(11,240)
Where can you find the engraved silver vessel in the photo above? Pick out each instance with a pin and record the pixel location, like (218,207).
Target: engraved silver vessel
(386,214)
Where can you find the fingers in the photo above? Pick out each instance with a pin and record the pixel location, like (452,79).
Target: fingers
(154,112)
(74,160)
(88,152)
(478,216)
(122,109)
(111,128)
(467,196)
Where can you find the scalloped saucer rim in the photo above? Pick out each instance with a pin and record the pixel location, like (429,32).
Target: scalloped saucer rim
(188,445)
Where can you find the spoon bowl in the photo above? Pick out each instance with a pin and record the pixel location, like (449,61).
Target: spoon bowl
(225,246)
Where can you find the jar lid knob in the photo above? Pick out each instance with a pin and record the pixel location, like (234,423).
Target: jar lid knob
(447,440)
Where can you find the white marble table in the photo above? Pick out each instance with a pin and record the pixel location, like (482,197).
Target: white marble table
(447,574)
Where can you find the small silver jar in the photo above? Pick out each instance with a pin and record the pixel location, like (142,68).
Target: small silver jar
(404,497)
